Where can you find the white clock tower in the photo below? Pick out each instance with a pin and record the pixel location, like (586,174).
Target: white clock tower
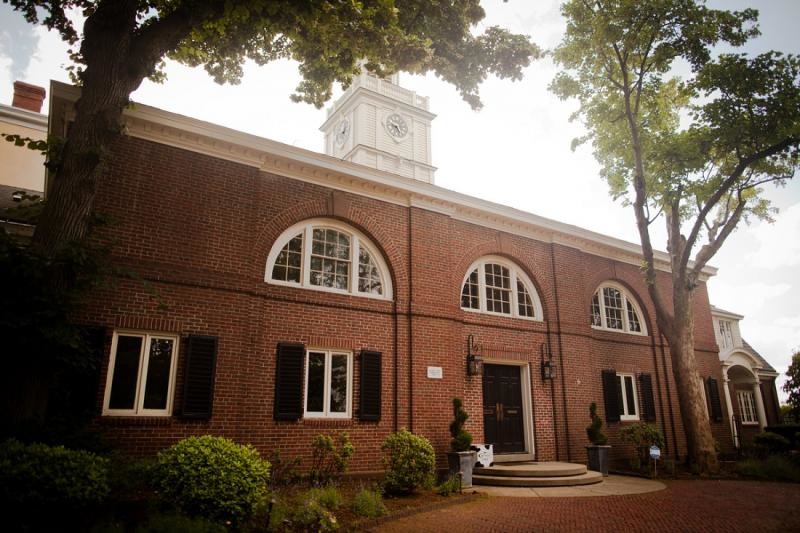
(379,124)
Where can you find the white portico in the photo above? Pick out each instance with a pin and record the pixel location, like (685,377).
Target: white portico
(743,371)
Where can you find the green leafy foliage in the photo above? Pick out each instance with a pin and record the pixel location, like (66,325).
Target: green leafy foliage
(792,386)
(330,457)
(329,497)
(768,443)
(462,439)
(773,468)
(51,363)
(212,477)
(369,504)
(38,476)
(642,436)
(409,461)
(312,515)
(449,486)
(283,471)
(596,437)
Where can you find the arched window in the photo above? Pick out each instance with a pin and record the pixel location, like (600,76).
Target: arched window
(615,309)
(326,255)
(496,286)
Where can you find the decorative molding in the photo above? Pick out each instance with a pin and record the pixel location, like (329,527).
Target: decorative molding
(187,133)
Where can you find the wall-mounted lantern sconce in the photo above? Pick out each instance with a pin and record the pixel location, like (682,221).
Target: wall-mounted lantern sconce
(548,368)
(474,362)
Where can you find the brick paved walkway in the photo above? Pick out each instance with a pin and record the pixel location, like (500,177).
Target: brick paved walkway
(684,506)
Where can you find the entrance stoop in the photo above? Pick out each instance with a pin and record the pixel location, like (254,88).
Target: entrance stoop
(532,474)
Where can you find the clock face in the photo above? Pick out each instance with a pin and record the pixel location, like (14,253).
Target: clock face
(342,132)
(396,126)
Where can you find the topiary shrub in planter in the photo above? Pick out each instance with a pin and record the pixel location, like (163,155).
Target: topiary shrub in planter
(597,452)
(41,486)
(409,461)
(461,459)
(212,477)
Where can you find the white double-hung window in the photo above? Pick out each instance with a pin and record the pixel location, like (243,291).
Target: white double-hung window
(141,374)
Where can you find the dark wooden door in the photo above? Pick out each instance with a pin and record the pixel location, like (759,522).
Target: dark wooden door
(502,408)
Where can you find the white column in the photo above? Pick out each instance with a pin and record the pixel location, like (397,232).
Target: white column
(762,415)
(729,405)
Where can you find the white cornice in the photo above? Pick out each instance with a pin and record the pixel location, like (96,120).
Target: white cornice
(271,156)
(23,117)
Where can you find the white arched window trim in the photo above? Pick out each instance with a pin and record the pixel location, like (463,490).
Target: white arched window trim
(357,241)
(516,274)
(627,299)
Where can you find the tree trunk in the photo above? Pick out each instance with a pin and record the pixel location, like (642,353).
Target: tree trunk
(118,55)
(699,440)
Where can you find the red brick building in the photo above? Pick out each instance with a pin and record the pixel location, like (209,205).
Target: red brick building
(286,293)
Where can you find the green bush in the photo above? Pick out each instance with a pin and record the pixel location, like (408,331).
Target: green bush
(330,457)
(329,497)
(409,461)
(773,468)
(212,477)
(768,443)
(45,476)
(313,516)
(449,486)
(642,436)
(369,504)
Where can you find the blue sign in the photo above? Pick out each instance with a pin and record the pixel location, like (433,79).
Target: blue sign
(655,452)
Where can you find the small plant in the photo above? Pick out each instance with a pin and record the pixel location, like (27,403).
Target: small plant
(212,477)
(329,497)
(282,471)
(642,436)
(409,461)
(369,504)
(449,486)
(462,439)
(311,515)
(596,437)
(330,457)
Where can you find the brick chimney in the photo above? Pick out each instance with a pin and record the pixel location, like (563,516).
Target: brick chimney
(27,96)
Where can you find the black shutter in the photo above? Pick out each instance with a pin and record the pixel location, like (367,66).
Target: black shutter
(198,384)
(611,394)
(712,393)
(370,408)
(648,403)
(289,381)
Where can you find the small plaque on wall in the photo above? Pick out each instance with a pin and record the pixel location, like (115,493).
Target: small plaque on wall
(434,372)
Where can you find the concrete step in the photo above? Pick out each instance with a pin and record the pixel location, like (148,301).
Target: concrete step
(532,469)
(587,478)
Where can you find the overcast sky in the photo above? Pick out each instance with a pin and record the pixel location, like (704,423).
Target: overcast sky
(518,146)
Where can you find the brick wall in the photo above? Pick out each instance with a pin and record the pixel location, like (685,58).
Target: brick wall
(199,229)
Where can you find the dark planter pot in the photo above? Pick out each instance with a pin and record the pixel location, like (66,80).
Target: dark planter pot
(462,462)
(598,458)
